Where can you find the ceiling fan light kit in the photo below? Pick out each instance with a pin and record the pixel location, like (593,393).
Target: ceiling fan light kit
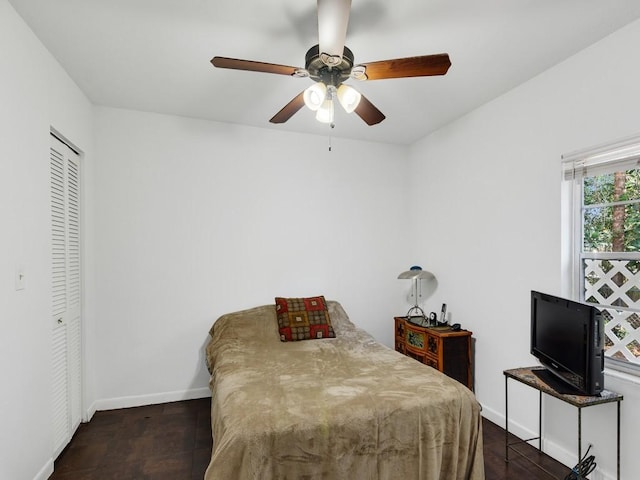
(325,112)
(330,63)
(348,97)
(315,95)
(319,98)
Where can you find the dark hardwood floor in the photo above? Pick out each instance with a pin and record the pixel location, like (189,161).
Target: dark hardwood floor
(518,467)
(165,441)
(173,441)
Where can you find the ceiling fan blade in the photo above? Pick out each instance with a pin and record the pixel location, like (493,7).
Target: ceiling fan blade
(368,112)
(333,20)
(236,64)
(289,110)
(424,66)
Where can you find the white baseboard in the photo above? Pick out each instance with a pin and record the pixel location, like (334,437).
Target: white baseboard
(498,418)
(90,412)
(554,450)
(151,399)
(46,471)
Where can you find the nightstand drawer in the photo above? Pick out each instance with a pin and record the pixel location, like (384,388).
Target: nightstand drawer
(415,338)
(432,362)
(421,340)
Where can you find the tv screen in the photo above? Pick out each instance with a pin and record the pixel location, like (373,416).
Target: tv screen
(566,337)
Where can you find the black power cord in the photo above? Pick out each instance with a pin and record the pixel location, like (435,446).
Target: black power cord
(583,468)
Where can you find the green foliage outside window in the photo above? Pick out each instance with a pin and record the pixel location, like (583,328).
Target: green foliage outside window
(611,212)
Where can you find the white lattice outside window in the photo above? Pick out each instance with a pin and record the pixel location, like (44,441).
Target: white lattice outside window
(613,284)
(604,204)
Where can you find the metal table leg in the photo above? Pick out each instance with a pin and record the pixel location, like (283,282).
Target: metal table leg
(540,420)
(506,419)
(579,440)
(618,441)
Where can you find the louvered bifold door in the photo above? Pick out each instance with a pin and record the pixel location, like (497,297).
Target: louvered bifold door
(66,293)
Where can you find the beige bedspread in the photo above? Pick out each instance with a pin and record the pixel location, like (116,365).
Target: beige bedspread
(341,408)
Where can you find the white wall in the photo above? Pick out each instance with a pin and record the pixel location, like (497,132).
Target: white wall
(35,94)
(195,219)
(490,224)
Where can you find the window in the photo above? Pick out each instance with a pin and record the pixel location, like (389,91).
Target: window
(602,192)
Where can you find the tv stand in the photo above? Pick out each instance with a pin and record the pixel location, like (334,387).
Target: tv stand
(530,376)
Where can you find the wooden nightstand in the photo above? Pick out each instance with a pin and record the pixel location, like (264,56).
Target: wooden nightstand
(439,347)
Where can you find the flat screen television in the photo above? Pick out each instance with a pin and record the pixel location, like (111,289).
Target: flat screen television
(567,339)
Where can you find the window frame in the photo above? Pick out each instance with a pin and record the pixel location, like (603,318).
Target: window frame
(619,155)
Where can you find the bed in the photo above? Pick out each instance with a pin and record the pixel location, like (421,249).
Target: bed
(332,408)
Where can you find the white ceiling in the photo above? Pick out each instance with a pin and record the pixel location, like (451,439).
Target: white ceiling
(153,55)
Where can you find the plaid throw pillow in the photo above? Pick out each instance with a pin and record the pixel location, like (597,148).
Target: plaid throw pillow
(303,319)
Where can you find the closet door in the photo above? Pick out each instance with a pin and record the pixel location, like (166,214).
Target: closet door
(66,293)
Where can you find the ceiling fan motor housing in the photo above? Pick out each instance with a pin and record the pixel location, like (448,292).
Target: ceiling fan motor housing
(329,75)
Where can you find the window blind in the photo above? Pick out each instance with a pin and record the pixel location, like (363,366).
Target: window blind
(622,154)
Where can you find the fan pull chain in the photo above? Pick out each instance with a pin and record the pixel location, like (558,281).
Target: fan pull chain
(333,125)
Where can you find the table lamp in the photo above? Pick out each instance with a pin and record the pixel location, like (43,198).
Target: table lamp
(419,277)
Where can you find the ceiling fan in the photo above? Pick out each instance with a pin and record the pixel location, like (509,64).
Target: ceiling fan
(330,63)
